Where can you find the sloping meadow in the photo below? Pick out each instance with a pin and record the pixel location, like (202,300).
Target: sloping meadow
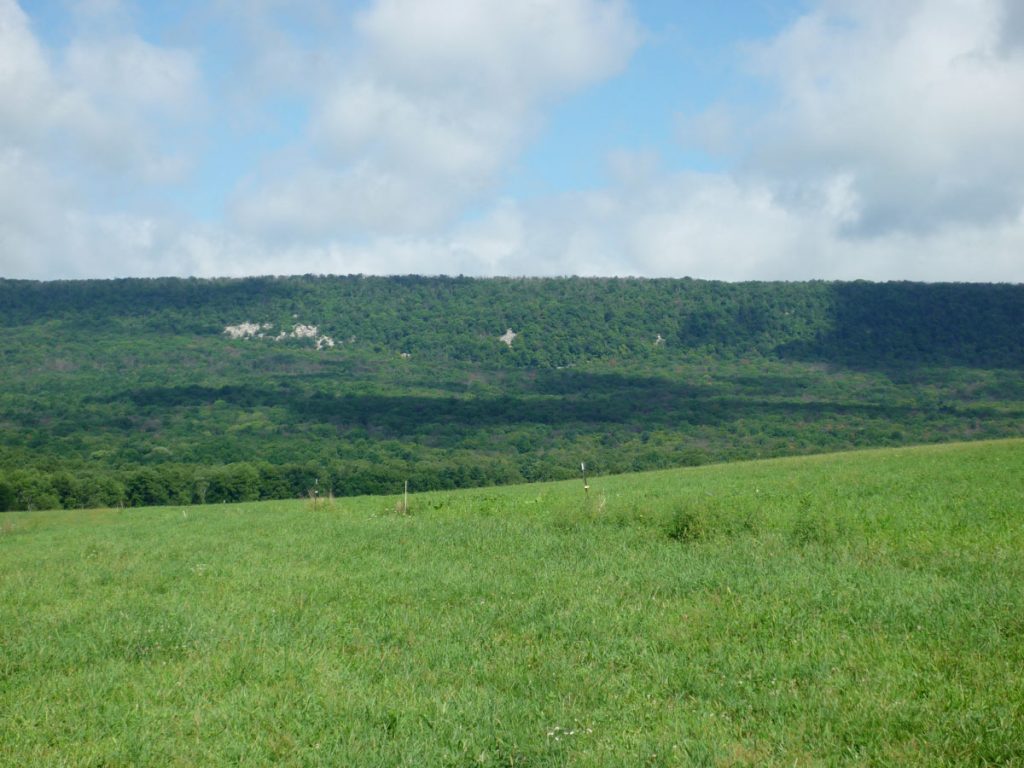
(857,608)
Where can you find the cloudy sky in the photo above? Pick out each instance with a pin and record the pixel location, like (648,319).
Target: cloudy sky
(742,139)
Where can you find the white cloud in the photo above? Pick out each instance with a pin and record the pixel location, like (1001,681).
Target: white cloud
(27,90)
(438,100)
(102,102)
(891,150)
(311,202)
(44,232)
(917,102)
(75,125)
(528,49)
(125,103)
(128,73)
(702,225)
(893,143)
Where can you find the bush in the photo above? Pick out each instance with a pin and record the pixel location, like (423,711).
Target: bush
(7,497)
(33,490)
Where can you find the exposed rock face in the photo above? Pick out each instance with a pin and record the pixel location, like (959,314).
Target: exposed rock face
(245,330)
(248,330)
(508,337)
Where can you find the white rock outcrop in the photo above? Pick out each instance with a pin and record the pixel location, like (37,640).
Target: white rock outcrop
(249,330)
(508,337)
(245,330)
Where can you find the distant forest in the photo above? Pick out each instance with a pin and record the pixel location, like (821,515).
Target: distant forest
(131,392)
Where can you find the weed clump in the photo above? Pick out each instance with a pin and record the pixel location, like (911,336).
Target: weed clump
(314,501)
(815,530)
(812,527)
(702,519)
(688,524)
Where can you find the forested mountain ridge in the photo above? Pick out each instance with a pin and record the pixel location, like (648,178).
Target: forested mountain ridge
(130,391)
(560,321)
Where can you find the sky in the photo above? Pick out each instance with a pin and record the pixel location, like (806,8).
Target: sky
(735,140)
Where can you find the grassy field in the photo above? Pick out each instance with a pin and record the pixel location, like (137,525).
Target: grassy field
(861,608)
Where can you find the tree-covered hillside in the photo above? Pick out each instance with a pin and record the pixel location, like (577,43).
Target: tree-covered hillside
(559,321)
(148,391)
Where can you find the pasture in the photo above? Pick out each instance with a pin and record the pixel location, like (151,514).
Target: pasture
(855,608)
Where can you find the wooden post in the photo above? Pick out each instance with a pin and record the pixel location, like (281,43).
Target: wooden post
(405,501)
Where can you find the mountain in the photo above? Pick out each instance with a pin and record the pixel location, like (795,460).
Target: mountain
(176,390)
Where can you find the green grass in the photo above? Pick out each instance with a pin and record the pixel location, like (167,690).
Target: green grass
(862,608)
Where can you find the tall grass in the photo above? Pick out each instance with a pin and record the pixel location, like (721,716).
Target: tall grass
(859,608)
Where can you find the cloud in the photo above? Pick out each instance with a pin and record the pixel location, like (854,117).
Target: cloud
(917,103)
(886,147)
(78,127)
(273,48)
(891,143)
(1012,36)
(431,109)
(27,90)
(44,232)
(125,103)
(701,225)
(131,74)
(101,102)
(528,50)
